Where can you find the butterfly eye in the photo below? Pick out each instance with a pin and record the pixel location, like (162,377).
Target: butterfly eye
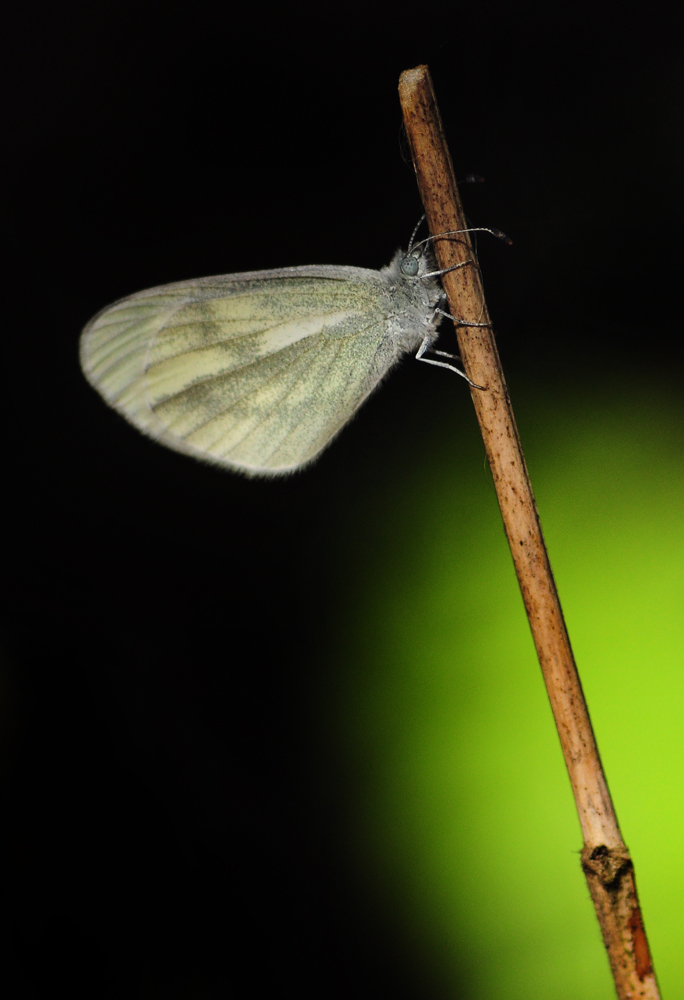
(409,265)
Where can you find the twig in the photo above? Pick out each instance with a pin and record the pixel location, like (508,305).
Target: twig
(605,858)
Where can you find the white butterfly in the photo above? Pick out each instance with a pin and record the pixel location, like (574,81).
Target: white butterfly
(259,371)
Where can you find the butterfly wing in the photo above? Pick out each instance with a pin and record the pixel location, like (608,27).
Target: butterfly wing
(253,371)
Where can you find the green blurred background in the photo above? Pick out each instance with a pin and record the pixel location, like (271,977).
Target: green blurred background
(463,816)
(264,737)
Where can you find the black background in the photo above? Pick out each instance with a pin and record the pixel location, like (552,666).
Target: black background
(172,807)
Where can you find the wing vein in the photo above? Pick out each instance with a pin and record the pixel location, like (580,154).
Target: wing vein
(238,399)
(279,402)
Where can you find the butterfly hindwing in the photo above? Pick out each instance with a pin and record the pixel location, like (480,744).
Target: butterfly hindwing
(255,371)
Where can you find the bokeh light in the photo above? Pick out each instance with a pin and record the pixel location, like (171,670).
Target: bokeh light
(464,824)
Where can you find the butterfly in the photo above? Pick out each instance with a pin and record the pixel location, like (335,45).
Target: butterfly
(258,372)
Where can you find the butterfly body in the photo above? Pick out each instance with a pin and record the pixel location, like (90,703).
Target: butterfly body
(258,371)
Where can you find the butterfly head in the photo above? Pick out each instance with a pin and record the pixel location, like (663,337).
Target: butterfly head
(410,265)
(417,262)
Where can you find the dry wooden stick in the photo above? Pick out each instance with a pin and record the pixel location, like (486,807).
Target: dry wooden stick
(605,858)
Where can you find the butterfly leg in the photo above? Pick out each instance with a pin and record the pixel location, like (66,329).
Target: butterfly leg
(443,364)
(458,322)
(445,354)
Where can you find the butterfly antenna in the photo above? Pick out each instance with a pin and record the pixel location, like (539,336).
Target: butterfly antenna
(421,220)
(474,229)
